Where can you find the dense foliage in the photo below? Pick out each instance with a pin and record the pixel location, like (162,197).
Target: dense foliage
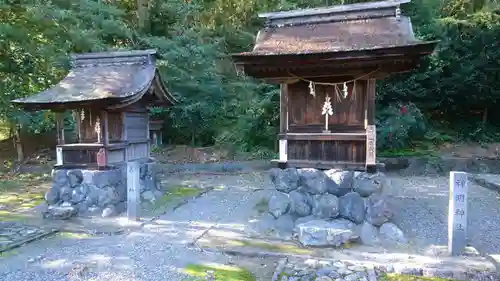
(458,88)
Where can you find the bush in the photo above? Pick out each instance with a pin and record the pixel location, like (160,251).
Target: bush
(399,125)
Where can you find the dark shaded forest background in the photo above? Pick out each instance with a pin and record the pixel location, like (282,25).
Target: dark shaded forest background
(452,97)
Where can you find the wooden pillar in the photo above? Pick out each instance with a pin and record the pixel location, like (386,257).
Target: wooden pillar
(283,145)
(104,127)
(371,130)
(102,155)
(155,138)
(124,134)
(78,123)
(60,137)
(60,127)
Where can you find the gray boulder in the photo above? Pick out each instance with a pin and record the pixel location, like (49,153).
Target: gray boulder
(378,210)
(94,193)
(343,181)
(109,211)
(103,178)
(324,233)
(352,207)
(367,184)
(76,197)
(302,220)
(264,225)
(52,196)
(369,234)
(391,233)
(314,181)
(94,211)
(83,206)
(325,206)
(75,177)
(284,226)
(60,212)
(279,204)
(300,203)
(79,193)
(121,207)
(59,178)
(109,197)
(65,193)
(148,196)
(285,180)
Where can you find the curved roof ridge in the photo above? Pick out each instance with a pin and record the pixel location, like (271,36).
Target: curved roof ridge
(334,9)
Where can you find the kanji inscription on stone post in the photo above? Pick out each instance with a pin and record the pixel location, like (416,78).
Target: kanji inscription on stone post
(457,213)
(371,145)
(133,189)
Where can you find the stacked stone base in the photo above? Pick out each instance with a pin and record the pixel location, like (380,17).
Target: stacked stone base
(85,192)
(332,208)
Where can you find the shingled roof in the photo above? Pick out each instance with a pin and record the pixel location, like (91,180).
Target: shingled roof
(343,28)
(105,79)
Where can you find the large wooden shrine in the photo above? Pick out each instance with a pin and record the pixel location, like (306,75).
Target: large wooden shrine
(109,95)
(327,61)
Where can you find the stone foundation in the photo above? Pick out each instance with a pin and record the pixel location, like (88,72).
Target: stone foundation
(331,208)
(83,192)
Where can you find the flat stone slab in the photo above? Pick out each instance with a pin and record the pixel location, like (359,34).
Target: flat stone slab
(490,181)
(15,234)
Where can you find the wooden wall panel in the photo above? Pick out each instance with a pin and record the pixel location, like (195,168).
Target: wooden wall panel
(116,156)
(138,151)
(305,109)
(115,127)
(137,126)
(341,151)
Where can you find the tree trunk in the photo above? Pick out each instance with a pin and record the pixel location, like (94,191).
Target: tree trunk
(16,130)
(142,13)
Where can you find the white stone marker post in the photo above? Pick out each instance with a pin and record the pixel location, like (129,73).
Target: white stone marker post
(457,213)
(133,189)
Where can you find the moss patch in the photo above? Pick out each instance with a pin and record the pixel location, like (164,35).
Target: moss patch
(174,196)
(221,272)
(408,152)
(400,277)
(21,193)
(11,216)
(262,206)
(274,247)
(73,235)
(7,254)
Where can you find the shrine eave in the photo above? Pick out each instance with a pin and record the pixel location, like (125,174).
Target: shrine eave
(104,80)
(255,58)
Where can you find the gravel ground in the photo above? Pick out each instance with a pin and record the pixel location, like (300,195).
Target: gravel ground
(422,203)
(158,252)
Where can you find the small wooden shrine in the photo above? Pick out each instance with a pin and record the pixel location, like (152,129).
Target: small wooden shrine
(155,132)
(327,61)
(109,95)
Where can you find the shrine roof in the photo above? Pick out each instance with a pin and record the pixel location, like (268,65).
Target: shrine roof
(106,78)
(343,28)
